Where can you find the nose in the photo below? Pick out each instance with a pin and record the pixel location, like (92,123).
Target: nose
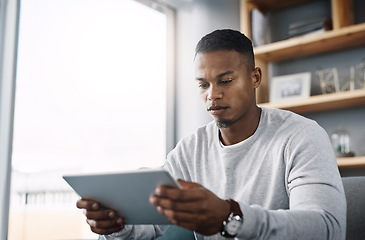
(215,92)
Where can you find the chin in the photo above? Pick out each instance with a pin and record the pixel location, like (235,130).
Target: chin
(223,124)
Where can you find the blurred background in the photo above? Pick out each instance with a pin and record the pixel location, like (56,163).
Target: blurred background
(104,86)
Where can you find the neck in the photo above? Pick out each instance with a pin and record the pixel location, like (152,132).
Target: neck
(242,129)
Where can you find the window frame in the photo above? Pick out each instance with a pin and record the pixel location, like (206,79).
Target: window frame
(9,30)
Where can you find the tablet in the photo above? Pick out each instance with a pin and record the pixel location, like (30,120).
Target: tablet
(126,192)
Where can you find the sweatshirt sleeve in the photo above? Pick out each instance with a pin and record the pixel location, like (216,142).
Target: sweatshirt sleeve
(317,208)
(137,232)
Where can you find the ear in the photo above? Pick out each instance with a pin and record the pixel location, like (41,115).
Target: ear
(256,77)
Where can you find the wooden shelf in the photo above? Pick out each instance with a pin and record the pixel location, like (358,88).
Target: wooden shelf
(321,103)
(351,162)
(272,5)
(334,40)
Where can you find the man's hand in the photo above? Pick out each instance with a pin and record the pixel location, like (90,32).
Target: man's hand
(102,221)
(193,207)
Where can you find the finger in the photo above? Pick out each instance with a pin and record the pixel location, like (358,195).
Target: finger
(188,185)
(180,194)
(186,220)
(178,217)
(181,206)
(100,214)
(193,222)
(106,224)
(87,204)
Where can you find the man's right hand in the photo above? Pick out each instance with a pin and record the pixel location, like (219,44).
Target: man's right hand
(101,220)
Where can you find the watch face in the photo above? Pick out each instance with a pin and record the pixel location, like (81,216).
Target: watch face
(232,227)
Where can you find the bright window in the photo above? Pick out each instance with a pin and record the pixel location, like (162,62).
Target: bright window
(90,96)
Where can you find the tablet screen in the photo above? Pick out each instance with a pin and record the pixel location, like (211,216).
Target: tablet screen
(126,192)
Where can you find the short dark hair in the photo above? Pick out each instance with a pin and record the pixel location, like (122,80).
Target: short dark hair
(227,39)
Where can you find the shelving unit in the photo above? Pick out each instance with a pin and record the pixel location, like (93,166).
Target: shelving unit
(345,34)
(351,162)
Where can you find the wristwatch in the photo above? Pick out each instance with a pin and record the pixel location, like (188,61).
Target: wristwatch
(233,223)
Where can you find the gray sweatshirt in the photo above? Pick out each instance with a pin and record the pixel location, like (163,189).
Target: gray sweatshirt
(284,177)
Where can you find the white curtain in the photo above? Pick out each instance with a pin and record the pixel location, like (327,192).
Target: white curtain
(9,18)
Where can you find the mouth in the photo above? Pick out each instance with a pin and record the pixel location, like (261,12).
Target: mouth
(216,110)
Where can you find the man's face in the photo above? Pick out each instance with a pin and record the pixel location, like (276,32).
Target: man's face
(226,85)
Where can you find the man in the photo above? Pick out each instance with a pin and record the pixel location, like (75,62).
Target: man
(252,173)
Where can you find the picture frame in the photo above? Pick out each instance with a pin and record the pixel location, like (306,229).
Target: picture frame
(290,87)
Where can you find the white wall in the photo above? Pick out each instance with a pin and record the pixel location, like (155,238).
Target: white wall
(196,18)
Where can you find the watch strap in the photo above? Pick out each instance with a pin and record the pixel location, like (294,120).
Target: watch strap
(235,213)
(235,207)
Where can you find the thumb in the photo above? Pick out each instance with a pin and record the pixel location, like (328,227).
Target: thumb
(188,185)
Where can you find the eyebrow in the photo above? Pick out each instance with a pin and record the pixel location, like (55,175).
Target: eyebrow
(225,73)
(218,76)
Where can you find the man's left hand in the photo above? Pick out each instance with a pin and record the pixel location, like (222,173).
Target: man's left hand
(193,207)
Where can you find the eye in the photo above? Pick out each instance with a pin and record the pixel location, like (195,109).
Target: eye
(203,85)
(226,81)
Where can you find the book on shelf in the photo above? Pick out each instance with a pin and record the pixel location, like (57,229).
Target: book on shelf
(311,26)
(260,29)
